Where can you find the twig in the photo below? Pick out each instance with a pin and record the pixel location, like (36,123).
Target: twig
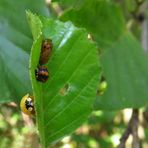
(132,128)
(144,30)
(135,142)
(125,135)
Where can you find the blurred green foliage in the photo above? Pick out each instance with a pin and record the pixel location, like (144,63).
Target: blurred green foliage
(103,129)
(116,27)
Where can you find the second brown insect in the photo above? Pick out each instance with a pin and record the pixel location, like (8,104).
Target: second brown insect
(46,51)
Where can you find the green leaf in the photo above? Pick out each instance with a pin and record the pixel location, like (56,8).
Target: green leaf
(102,19)
(125,69)
(15,43)
(35,24)
(66,99)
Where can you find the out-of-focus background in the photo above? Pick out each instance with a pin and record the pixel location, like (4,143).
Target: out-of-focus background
(102,130)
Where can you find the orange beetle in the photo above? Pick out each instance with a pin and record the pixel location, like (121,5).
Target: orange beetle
(41,74)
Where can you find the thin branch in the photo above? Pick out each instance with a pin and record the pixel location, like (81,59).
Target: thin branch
(136,141)
(132,128)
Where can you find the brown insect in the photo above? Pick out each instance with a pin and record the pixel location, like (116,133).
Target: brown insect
(46,50)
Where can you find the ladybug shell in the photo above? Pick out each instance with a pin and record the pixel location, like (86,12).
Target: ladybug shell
(42,74)
(27,105)
(45,51)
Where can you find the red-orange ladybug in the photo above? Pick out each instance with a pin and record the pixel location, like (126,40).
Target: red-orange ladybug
(46,50)
(41,74)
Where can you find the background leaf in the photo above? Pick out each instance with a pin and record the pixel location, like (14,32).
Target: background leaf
(125,69)
(73,68)
(15,43)
(123,61)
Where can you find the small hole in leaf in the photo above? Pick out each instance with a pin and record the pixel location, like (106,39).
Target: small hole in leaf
(64,90)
